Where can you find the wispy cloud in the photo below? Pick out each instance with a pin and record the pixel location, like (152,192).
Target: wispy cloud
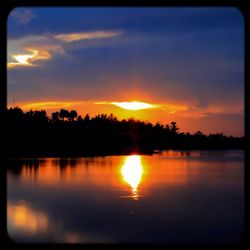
(23,52)
(197,112)
(67,38)
(50,105)
(22,16)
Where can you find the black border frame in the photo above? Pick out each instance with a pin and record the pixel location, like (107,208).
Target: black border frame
(8,5)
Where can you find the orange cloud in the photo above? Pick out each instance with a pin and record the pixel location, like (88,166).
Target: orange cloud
(43,47)
(49,105)
(28,59)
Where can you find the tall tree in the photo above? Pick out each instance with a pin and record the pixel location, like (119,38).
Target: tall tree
(64,114)
(173,128)
(55,116)
(72,115)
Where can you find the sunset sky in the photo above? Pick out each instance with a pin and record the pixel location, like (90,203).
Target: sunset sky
(174,64)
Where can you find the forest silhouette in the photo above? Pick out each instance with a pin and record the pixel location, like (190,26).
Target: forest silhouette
(65,133)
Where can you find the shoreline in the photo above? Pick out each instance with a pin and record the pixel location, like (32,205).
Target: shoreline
(103,153)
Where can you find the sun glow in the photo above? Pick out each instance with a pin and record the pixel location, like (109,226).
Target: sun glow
(49,105)
(132,171)
(23,59)
(134,105)
(28,59)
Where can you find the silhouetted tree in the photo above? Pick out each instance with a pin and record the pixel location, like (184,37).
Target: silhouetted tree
(30,113)
(199,134)
(79,119)
(72,115)
(167,128)
(64,114)
(55,116)
(86,119)
(34,132)
(15,113)
(173,128)
(40,116)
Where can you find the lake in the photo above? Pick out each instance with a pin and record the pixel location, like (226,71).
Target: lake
(169,197)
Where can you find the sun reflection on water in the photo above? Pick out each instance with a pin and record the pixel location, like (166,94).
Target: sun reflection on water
(132,171)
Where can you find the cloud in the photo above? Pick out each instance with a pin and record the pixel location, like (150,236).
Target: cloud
(23,52)
(86,36)
(198,112)
(22,16)
(29,59)
(50,105)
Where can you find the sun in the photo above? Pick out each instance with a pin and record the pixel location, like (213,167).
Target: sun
(133,105)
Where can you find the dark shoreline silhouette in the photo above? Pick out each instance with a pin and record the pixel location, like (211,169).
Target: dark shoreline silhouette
(65,134)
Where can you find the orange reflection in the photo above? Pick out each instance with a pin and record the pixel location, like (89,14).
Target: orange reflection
(25,218)
(28,59)
(74,172)
(169,168)
(132,171)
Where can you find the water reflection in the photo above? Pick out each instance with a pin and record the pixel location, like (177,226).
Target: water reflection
(26,223)
(80,199)
(25,219)
(132,171)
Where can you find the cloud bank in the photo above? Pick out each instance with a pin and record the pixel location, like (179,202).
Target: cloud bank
(24,52)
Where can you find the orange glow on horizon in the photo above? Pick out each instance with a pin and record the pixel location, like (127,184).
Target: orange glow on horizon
(104,107)
(162,112)
(49,105)
(188,118)
(148,112)
(134,105)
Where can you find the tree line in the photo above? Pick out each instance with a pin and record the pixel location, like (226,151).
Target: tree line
(67,133)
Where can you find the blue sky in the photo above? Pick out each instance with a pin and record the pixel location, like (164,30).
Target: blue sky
(184,57)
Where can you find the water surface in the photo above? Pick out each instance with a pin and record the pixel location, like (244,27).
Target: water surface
(169,197)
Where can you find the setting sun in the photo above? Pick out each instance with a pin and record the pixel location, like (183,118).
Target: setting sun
(133,105)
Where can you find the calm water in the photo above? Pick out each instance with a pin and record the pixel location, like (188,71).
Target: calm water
(171,197)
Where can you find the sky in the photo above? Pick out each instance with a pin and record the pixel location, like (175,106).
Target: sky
(178,64)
